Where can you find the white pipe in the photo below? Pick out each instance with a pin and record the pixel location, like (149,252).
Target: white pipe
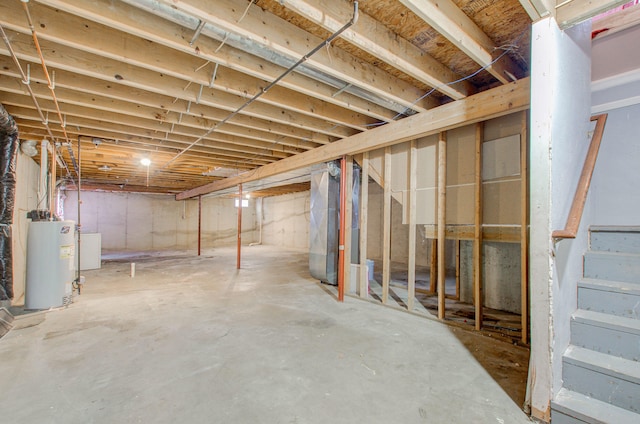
(259,211)
(43,191)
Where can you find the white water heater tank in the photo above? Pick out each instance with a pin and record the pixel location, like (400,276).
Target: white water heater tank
(50,263)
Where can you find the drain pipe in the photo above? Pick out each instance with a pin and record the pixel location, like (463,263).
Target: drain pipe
(259,206)
(79,281)
(8,153)
(303,59)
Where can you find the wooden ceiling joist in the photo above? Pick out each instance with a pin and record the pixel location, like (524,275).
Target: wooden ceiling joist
(271,32)
(451,22)
(147,26)
(377,40)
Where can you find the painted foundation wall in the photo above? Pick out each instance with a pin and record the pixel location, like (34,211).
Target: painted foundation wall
(560,112)
(132,221)
(28,174)
(614,197)
(286,221)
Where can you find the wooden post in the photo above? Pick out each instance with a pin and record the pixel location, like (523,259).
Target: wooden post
(348,218)
(386,218)
(442,198)
(199,223)
(239,226)
(457,269)
(364,208)
(433,272)
(413,176)
(524,234)
(477,236)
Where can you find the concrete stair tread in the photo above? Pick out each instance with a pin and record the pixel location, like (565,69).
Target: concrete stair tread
(603,363)
(614,229)
(608,285)
(591,410)
(613,322)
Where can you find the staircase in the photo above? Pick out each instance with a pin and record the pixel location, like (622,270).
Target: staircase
(601,368)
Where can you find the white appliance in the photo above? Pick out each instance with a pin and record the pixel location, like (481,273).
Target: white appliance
(50,264)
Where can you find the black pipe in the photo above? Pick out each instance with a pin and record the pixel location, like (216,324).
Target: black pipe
(8,153)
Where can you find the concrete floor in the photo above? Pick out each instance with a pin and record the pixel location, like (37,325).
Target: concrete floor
(191,340)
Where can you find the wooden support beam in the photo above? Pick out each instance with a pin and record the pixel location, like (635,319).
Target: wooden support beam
(386,227)
(413,177)
(477,243)
(450,21)
(489,104)
(571,12)
(524,233)
(363,287)
(537,9)
(348,218)
(433,269)
(442,202)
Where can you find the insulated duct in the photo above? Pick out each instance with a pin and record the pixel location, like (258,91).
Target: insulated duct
(8,151)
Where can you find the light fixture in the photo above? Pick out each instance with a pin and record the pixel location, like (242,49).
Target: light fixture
(146,162)
(105,168)
(248,196)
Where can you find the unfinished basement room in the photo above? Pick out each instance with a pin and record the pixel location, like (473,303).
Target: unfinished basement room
(336,211)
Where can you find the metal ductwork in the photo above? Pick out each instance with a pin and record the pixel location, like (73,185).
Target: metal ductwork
(324,212)
(8,152)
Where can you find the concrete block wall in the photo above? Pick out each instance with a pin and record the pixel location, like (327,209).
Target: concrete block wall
(133,221)
(285,220)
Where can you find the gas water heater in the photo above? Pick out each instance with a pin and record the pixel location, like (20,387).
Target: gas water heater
(50,264)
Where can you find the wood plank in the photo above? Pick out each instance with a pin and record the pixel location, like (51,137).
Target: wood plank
(503,234)
(364,222)
(283,38)
(413,177)
(442,214)
(616,22)
(447,18)
(477,242)
(386,226)
(488,104)
(160,29)
(571,12)
(537,9)
(433,269)
(376,39)
(524,233)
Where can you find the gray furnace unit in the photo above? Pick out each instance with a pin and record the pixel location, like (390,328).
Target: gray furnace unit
(325,223)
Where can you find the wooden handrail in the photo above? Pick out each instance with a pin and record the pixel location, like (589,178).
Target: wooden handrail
(579,199)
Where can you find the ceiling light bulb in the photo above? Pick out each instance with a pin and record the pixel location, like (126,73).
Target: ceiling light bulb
(248,196)
(145,161)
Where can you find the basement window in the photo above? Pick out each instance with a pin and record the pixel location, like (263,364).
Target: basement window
(245,203)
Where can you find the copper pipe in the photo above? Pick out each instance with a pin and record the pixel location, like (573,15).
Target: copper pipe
(343,207)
